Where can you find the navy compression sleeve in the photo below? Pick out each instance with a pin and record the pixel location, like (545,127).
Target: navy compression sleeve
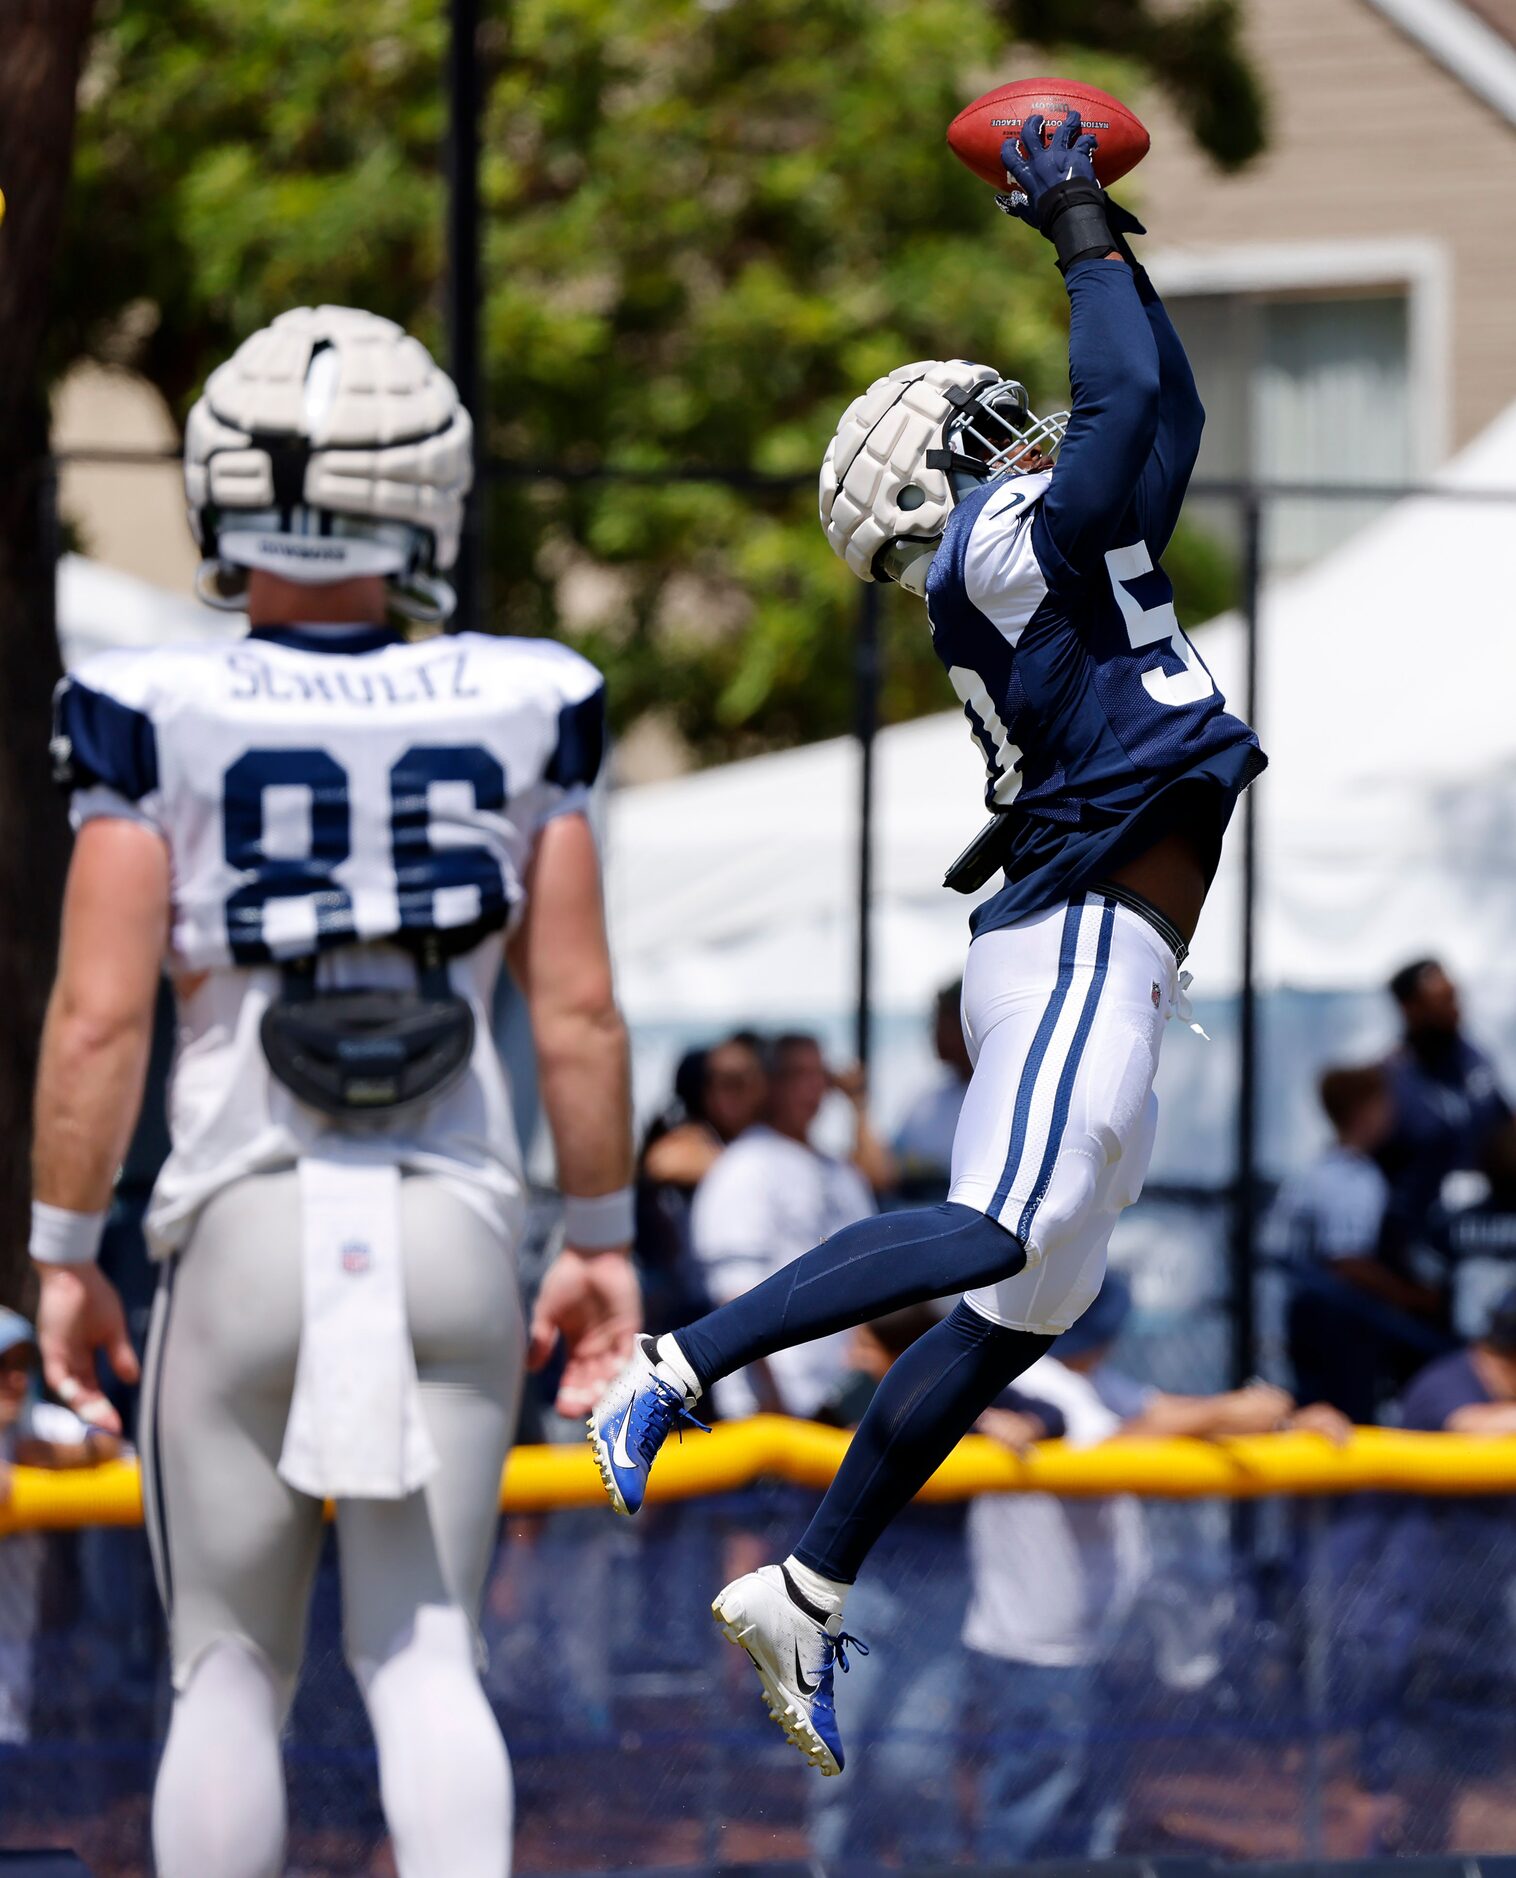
(875,1265)
(1181,418)
(1114,373)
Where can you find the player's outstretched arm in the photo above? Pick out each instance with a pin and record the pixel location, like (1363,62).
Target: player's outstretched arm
(95,1045)
(1181,416)
(1113,358)
(1181,419)
(1113,421)
(561,959)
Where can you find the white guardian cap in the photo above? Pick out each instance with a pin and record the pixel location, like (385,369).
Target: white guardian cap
(911,446)
(329,445)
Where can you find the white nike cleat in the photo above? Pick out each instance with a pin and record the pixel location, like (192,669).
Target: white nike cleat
(794,1654)
(631,1422)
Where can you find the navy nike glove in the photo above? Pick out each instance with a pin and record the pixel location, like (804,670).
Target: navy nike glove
(1057,180)
(1037,167)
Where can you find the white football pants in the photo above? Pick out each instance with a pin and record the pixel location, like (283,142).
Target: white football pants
(1064,1014)
(236,1548)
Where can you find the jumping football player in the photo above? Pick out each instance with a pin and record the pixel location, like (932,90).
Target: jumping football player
(1113,769)
(324,832)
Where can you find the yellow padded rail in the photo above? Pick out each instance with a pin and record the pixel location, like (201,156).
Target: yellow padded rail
(542,1479)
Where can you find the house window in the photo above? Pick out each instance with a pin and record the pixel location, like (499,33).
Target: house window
(1300,388)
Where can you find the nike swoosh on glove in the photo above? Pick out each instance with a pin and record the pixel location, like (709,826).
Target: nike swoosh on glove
(1036,167)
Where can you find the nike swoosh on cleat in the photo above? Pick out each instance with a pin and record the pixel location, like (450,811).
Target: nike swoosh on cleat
(806,1688)
(618,1447)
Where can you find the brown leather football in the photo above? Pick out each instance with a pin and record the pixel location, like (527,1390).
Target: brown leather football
(976,134)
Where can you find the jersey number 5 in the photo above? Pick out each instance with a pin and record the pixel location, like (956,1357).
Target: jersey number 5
(1156,625)
(437,886)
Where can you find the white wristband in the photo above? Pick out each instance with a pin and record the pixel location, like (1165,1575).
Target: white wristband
(60,1237)
(598,1224)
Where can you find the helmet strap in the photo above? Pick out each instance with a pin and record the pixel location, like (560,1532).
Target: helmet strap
(956,463)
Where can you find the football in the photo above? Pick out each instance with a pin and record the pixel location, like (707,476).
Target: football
(976,134)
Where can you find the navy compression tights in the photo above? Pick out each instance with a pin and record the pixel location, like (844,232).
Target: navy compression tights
(877,1265)
(930,1398)
(932,1395)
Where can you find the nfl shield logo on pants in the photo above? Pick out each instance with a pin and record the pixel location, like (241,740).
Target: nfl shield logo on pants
(355,1256)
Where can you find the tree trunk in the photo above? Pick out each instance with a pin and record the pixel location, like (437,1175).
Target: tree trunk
(40,62)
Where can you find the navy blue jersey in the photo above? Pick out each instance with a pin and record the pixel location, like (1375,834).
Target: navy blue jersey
(1100,724)
(1448,1107)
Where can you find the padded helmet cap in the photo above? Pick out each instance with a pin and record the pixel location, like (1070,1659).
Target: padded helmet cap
(898,462)
(329,444)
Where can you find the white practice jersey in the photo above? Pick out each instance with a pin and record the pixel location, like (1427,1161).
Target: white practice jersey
(333,791)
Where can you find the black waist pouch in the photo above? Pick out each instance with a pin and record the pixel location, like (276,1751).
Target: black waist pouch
(985,856)
(353,1054)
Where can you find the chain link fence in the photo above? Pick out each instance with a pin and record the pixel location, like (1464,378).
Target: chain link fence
(1333,1682)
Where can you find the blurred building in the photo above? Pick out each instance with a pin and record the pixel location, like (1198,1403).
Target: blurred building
(127,516)
(1347,298)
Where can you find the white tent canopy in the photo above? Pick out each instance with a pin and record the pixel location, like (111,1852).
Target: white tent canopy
(1387,699)
(735,891)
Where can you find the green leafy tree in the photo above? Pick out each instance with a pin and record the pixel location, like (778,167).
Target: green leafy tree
(709,223)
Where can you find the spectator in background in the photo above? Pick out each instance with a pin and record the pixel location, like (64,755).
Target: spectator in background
(32,1434)
(924,1143)
(718,1093)
(770,1197)
(1053,1580)
(1356,1325)
(871,1349)
(1447,1105)
(1470,1391)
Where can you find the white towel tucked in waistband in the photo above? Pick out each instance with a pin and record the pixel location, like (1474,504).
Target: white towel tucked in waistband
(355,1429)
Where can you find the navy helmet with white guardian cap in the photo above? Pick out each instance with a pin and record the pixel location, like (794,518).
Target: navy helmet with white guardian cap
(909,448)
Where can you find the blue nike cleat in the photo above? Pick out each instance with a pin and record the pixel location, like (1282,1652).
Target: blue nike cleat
(795,1655)
(631,1422)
